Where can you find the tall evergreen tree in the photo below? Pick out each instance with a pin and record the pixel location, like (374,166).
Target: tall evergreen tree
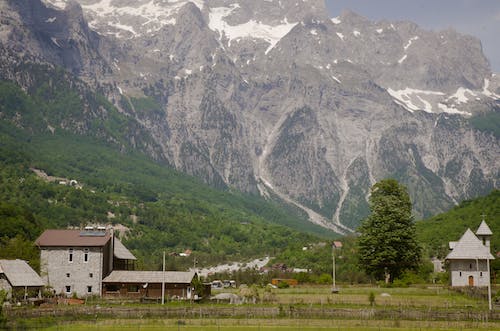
(387,242)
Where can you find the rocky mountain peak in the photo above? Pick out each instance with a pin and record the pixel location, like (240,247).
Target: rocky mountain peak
(277,98)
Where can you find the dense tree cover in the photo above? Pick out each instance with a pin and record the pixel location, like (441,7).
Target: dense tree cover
(387,243)
(317,258)
(435,232)
(487,122)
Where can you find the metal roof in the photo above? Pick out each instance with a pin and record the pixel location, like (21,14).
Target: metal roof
(470,247)
(68,238)
(121,252)
(19,273)
(484,230)
(126,276)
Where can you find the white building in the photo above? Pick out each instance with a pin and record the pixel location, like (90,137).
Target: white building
(469,258)
(76,261)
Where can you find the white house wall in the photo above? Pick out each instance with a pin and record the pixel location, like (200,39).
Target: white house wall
(461,270)
(56,267)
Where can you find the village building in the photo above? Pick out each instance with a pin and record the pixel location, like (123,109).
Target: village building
(19,280)
(469,258)
(148,284)
(74,262)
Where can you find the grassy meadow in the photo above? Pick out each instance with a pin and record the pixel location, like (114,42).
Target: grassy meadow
(298,308)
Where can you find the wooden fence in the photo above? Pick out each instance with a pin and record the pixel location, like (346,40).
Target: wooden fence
(282,311)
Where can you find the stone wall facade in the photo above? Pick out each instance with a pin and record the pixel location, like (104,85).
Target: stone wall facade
(82,273)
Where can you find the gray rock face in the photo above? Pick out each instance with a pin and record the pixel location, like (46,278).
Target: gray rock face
(278,99)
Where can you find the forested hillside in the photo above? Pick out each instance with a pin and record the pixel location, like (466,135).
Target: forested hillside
(163,209)
(436,232)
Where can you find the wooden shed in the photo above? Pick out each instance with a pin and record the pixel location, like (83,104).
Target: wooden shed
(147,284)
(19,279)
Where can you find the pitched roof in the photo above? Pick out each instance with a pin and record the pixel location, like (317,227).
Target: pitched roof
(125,276)
(121,252)
(67,238)
(483,230)
(470,247)
(19,273)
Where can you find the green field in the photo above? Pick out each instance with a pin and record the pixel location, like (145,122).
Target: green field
(299,308)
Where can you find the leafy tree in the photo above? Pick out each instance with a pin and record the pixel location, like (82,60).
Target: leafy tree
(387,242)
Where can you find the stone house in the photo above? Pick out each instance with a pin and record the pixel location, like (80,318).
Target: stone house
(469,258)
(76,261)
(19,279)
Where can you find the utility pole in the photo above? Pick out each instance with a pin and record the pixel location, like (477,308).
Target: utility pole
(163,281)
(489,284)
(334,287)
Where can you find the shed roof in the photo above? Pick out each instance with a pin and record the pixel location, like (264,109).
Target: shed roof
(68,238)
(121,252)
(484,230)
(19,273)
(469,247)
(127,276)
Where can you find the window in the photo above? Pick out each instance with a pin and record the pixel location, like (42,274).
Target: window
(68,289)
(86,255)
(91,275)
(70,257)
(112,288)
(133,288)
(470,266)
(460,274)
(68,275)
(481,274)
(89,289)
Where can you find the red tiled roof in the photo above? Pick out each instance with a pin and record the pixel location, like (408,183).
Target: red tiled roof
(58,238)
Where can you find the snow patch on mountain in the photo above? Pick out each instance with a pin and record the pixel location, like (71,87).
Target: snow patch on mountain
(438,102)
(59,4)
(412,99)
(451,110)
(149,16)
(251,29)
(461,95)
(408,44)
(486,90)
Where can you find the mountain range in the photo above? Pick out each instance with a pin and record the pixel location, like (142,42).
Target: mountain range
(273,98)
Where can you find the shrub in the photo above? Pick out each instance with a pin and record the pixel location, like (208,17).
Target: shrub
(324,279)
(283,285)
(371,298)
